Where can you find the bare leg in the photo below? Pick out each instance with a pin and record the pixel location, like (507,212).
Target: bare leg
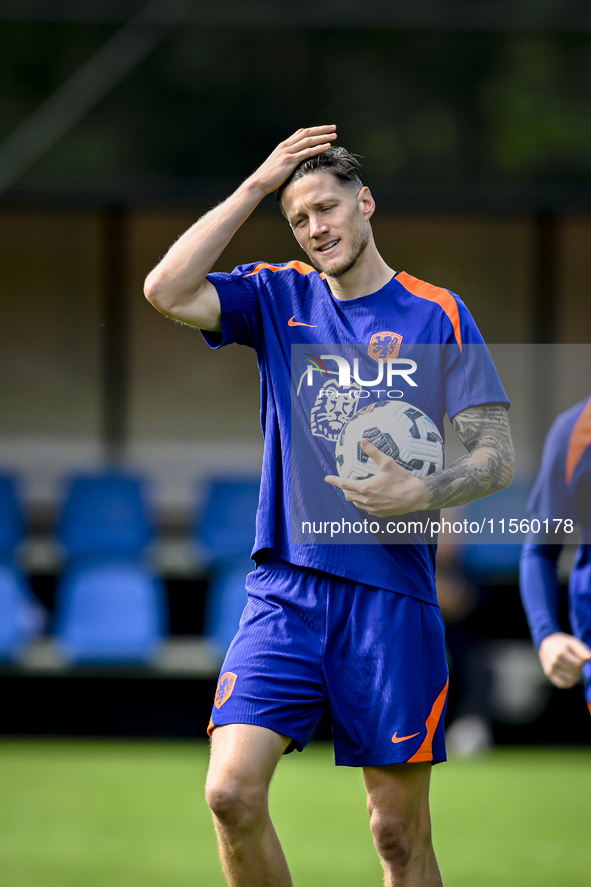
(398,804)
(243,760)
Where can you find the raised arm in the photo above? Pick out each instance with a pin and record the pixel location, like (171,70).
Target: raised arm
(486,468)
(178,286)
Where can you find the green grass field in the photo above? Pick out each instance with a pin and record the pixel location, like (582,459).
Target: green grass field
(132,814)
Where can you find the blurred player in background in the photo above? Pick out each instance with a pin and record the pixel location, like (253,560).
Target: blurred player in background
(353,628)
(562,493)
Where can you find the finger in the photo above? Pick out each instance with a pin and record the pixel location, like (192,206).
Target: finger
(580,649)
(569,680)
(571,658)
(340,482)
(370,448)
(350,486)
(558,671)
(356,496)
(309,151)
(380,458)
(570,667)
(567,673)
(310,143)
(310,132)
(351,492)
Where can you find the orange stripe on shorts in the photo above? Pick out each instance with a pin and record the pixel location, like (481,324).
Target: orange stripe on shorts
(425,752)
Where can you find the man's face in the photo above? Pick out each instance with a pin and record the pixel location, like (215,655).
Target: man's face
(330,221)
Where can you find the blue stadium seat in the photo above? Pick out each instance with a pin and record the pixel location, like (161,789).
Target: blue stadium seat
(110,610)
(21,616)
(225,528)
(226,599)
(105,513)
(12,522)
(225,525)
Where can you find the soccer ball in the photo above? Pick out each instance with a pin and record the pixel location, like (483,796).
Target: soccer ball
(397,429)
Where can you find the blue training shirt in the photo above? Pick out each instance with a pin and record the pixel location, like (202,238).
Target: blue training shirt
(562,491)
(287,313)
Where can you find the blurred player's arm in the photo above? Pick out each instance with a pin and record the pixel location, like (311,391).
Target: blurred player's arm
(178,286)
(562,655)
(486,468)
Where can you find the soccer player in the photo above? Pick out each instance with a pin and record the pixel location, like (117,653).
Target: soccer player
(350,627)
(561,500)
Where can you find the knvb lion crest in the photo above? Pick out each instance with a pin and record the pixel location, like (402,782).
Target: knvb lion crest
(224,688)
(334,406)
(384,345)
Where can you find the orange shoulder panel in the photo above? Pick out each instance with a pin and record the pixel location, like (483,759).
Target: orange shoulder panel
(580,439)
(301,267)
(425,752)
(437,294)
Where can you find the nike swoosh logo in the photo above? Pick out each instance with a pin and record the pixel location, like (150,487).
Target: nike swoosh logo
(292,322)
(397,738)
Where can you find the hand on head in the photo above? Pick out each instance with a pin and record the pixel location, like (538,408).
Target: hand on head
(303,144)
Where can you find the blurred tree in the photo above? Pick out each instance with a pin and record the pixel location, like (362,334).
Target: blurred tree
(537,104)
(422,108)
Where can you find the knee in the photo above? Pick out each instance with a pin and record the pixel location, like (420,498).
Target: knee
(399,840)
(394,840)
(235,804)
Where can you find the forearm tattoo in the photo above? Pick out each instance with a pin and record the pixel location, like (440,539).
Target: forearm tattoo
(488,464)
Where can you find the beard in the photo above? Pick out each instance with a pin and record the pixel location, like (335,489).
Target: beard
(338,268)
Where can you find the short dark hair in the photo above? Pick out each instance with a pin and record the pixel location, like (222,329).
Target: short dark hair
(338,161)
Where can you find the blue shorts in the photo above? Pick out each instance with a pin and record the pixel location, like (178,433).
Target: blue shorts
(309,642)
